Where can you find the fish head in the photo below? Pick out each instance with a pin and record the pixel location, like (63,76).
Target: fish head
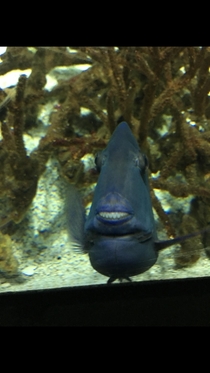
(121,203)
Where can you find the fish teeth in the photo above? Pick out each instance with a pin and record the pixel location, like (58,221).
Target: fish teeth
(113,215)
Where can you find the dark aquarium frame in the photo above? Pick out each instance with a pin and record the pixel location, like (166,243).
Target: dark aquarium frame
(182,302)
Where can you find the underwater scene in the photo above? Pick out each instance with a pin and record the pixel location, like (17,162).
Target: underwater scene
(104,165)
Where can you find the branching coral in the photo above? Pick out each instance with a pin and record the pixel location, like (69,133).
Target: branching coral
(142,85)
(8,263)
(18,172)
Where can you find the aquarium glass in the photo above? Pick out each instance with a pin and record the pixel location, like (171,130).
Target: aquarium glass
(59,107)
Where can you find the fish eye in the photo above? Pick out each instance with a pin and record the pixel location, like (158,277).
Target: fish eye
(141,162)
(99,160)
(145,160)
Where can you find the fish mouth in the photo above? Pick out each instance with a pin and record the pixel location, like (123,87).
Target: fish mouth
(114,208)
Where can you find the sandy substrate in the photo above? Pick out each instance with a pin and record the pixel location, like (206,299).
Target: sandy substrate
(70,269)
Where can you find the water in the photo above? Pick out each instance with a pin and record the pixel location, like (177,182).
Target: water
(69,107)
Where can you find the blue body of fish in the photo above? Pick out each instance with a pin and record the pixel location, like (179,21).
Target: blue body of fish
(119,233)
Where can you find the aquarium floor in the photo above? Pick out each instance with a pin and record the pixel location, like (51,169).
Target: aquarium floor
(74,270)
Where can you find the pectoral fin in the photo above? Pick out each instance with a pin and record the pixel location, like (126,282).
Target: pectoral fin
(75,213)
(160,245)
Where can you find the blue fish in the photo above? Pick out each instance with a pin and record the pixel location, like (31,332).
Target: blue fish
(119,233)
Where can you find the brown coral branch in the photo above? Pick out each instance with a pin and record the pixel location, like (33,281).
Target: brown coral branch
(18,113)
(22,58)
(143,65)
(8,262)
(178,189)
(93,105)
(145,112)
(170,164)
(94,53)
(169,53)
(131,92)
(190,249)
(16,58)
(110,110)
(162,215)
(118,81)
(7,136)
